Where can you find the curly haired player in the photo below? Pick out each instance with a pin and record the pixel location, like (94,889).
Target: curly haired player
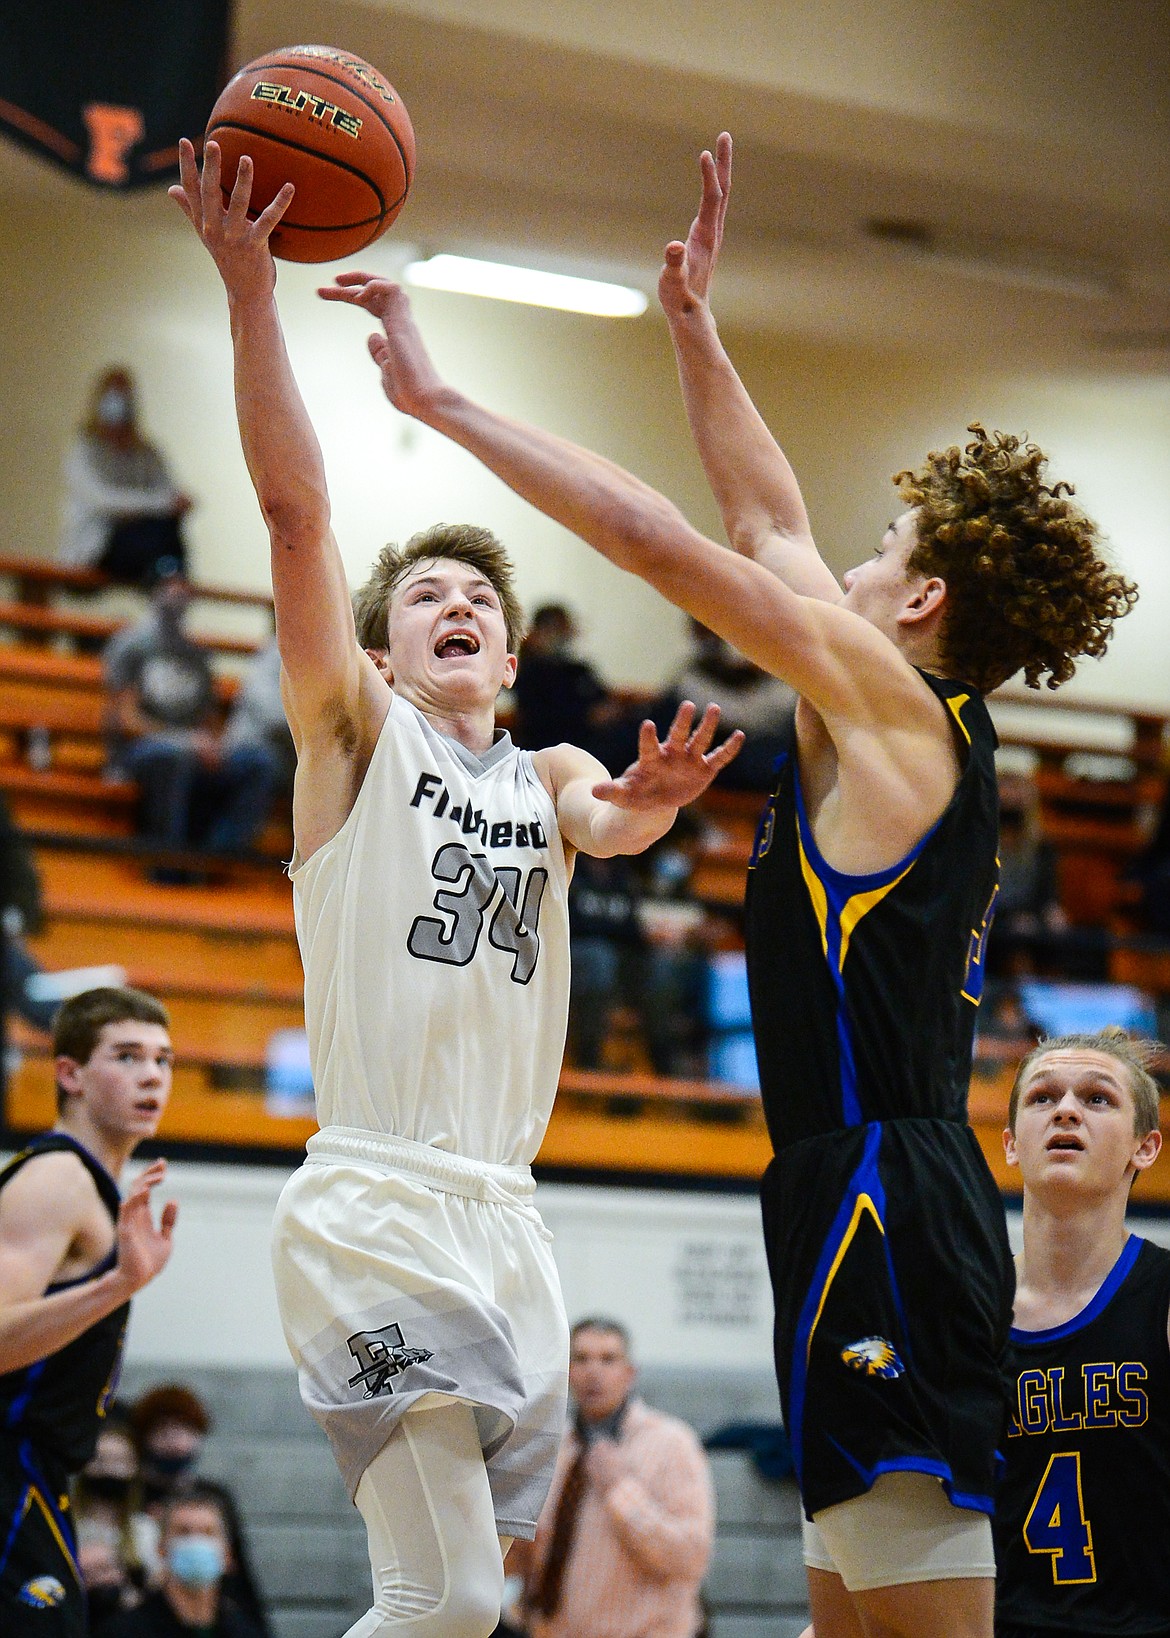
(1027,588)
(871,890)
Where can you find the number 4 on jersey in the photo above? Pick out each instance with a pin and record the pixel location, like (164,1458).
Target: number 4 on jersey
(1056,1522)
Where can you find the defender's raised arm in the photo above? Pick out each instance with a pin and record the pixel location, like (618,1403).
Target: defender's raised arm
(837,661)
(755,487)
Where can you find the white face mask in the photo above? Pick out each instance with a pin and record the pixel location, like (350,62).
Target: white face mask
(113,408)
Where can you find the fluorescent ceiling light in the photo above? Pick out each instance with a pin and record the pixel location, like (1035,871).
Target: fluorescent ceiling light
(469,277)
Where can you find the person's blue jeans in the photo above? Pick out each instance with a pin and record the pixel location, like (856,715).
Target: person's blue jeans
(185,804)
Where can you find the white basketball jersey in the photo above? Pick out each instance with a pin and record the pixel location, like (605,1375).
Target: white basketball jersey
(434,931)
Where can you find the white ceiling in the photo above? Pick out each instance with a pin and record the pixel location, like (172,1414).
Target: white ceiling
(1028,144)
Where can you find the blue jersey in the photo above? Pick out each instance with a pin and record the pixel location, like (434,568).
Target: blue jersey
(55,1406)
(1083,1517)
(864,989)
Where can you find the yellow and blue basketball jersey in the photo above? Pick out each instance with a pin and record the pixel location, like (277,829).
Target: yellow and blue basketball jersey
(1084,1506)
(884,1229)
(865,988)
(50,1415)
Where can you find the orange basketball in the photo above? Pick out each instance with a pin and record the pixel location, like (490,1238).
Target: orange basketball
(333,126)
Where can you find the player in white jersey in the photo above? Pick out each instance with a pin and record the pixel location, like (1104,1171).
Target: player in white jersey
(415,1279)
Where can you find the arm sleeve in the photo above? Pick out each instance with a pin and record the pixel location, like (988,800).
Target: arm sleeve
(665,1517)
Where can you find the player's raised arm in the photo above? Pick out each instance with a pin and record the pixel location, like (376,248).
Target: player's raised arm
(314,617)
(755,487)
(836,660)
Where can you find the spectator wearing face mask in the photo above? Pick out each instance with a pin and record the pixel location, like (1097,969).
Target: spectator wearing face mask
(123,511)
(108,1500)
(191,1597)
(170,1425)
(109,1588)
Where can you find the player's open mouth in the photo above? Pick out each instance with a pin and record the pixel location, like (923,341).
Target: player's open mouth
(1064,1140)
(148,1106)
(456,642)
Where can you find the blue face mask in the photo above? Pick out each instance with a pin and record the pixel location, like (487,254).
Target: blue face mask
(196,1561)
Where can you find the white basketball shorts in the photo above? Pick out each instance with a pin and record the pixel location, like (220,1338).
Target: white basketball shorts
(406,1275)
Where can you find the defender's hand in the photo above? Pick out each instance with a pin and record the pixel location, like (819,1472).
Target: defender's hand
(144,1249)
(685,281)
(409,379)
(670,773)
(238,246)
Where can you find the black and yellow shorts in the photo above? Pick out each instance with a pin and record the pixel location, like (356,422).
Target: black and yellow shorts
(893,1279)
(41,1595)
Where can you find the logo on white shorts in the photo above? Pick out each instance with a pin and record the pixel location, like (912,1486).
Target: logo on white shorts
(381,1355)
(874,1356)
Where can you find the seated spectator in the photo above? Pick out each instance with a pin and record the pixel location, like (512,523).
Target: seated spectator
(557,694)
(606,948)
(628,951)
(190,1597)
(123,512)
(170,1425)
(108,1498)
(561,699)
(21,912)
(257,716)
(625,1536)
(1031,932)
(197,792)
(1028,915)
(109,1589)
(1151,870)
(748,698)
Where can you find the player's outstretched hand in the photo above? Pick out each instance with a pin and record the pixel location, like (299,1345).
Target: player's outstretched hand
(671,772)
(238,245)
(144,1249)
(409,379)
(685,280)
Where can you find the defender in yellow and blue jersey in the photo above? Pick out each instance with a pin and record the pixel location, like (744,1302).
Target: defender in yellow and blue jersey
(885,1231)
(72,1254)
(874,875)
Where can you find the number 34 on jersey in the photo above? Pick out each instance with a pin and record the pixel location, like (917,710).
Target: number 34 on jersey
(471,892)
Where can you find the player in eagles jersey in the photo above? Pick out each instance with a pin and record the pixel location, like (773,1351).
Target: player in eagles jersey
(1083,1509)
(73,1252)
(869,900)
(415,1278)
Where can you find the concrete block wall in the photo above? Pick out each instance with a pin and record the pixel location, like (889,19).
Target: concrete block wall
(308,1544)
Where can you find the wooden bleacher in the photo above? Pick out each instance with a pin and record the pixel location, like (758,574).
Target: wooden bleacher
(224,957)
(34,582)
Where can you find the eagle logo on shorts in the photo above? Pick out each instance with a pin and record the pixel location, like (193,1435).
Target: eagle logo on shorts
(873,1356)
(43,1592)
(381,1355)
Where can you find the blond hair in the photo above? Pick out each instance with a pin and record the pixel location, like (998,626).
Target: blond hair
(1132,1051)
(1028,586)
(461,543)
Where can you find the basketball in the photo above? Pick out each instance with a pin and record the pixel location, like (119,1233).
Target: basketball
(331,125)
